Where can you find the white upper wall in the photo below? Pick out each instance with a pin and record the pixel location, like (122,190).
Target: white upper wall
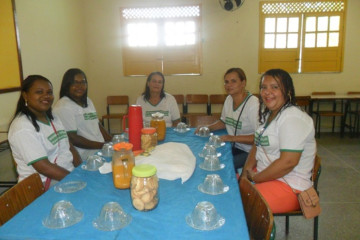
(59,34)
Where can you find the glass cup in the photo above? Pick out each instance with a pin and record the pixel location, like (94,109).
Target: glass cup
(181,127)
(93,163)
(112,217)
(205,217)
(118,138)
(211,163)
(213,185)
(62,215)
(107,150)
(204,132)
(209,150)
(215,140)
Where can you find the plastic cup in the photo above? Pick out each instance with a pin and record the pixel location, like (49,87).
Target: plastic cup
(213,185)
(112,217)
(211,163)
(62,215)
(204,132)
(181,127)
(93,163)
(107,150)
(205,217)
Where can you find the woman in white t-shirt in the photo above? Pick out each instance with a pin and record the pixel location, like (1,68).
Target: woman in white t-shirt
(155,99)
(78,114)
(37,138)
(283,155)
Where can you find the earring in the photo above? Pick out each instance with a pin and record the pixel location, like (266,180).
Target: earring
(26,103)
(289,95)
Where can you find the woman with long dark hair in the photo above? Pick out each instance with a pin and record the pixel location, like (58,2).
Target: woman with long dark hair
(78,114)
(281,160)
(37,138)
(155,99)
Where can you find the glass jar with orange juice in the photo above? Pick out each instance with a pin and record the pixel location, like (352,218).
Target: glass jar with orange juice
(158,122)
(122,164)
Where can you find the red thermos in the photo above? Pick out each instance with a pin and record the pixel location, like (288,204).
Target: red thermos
(135,124)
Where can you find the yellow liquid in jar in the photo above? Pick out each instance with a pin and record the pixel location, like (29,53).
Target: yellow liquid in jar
(160,126)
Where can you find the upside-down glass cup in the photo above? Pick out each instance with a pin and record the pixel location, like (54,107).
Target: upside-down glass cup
(215,140)
(204,217)
(118,138)
(181,127)
(209,150)
(204,132)
(112,217)
(211,163)
(213,185)
(107,150)
(62,215)
(93,163)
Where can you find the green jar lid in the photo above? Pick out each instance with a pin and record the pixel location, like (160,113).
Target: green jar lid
(144,170)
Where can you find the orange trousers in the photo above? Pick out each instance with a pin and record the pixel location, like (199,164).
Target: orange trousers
(279,196)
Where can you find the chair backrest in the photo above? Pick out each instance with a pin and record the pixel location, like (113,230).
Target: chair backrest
(196,99)
(303,102)
(201,120)
(180,100)
(19,196)
(216,99)
(258,215)
(117,100)
(353,93)
(316,171)
(323,93)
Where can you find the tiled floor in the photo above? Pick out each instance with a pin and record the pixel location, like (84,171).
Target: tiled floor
(339,186)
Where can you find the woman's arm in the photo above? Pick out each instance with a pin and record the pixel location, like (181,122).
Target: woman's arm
(76,156)
(246,139)
(50,170)
(82,142)
(278,168)
(250,163)
(104,133)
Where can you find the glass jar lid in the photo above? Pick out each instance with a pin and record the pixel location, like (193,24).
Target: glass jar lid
(122,145)
(149,130)
(144,170)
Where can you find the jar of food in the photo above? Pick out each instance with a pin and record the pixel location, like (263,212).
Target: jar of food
(144,187)
(122,164)
(158,122)
(148,139)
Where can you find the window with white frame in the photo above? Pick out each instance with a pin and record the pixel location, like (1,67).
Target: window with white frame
(301,36)
(165,39)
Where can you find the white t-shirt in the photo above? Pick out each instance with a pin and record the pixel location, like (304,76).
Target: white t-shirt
(83,121)
(167,106)
(248,121)
(29,146)
(292,130)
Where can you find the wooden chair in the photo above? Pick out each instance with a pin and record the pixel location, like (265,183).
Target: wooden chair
(113,101)
(4,145)
(181,103)
(196,99)
(315,178)
(319,112)
(352,109)
(259,218)
(19,196)
(303,102)
(216,99)
(201,120)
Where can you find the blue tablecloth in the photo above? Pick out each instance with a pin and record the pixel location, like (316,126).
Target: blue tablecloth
(167,221)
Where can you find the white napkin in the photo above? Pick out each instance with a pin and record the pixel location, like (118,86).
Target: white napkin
(172,161)
(105,168)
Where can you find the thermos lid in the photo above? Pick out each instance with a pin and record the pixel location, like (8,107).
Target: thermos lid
(149,130)
(144,170)
(122,145)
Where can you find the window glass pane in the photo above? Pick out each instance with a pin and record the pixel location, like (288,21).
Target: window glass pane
(293,24)
(310,24)
(310,40)
(322,23)
(281,25)
(292,40)
(179,33)
(142,34)
(280,40)
(269,41)
(269,25)
(334,23)
(333,39)
(321,40)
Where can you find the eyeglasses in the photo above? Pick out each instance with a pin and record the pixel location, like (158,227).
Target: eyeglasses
(79,83)
(258,138)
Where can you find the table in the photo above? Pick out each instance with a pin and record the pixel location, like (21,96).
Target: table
(167,221)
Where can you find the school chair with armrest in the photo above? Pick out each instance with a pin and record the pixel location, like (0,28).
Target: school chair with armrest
(121,100)
(180,100)
(216,99)
(196,100)
(315,178)
(322,112)
(19,196)
(352,110)
(259,217)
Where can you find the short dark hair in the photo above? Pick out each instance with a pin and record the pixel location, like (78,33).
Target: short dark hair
(146,92)
(239,72)
(68,80)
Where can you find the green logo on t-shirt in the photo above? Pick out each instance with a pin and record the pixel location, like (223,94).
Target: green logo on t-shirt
(261,140)
(90,116)
(148,113)
(54,138)
(232,122)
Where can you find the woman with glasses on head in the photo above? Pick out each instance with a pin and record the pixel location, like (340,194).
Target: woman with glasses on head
(283,155)
(78,114)
(155,99)
(37,138)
